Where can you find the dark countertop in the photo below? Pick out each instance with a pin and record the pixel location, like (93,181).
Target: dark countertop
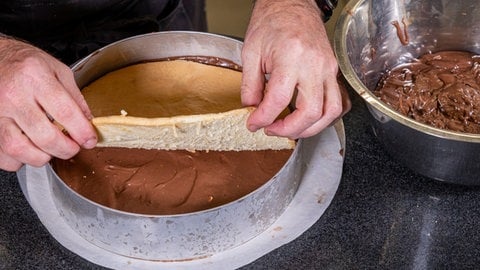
(382,217)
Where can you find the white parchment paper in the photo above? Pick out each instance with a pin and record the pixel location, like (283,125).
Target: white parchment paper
(322,174)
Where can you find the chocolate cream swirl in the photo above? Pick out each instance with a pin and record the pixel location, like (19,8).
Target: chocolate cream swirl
(439,89)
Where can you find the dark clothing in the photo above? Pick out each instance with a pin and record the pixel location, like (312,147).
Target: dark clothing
(71,29)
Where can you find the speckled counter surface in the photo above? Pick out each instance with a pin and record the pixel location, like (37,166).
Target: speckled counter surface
(382,217)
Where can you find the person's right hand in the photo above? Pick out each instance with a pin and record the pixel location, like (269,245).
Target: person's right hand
(39,98)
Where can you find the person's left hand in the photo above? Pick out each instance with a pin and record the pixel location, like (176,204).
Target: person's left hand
(287,41)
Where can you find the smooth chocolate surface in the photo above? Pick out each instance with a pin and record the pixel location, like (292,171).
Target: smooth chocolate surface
(167,182)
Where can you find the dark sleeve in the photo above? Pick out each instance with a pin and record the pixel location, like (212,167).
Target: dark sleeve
(327,7)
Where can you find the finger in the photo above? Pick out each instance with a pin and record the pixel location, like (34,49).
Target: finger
(278,94)
(9,164)
(16,149)
(65,76)
(333,109)
(346,105)
(68,109)
(313,113)
(253,78)
(346,102)
(44,134)
(308,108)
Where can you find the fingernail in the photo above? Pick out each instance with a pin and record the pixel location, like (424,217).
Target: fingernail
(252,128)
(90,143)
(89,115)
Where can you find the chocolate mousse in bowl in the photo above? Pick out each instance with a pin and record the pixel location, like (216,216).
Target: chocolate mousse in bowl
(440,89)
(176,175)
(415,64)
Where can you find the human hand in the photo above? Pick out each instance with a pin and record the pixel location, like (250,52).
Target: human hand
(35,88)
(286,40)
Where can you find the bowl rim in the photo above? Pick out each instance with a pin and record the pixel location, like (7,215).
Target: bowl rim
(340,49)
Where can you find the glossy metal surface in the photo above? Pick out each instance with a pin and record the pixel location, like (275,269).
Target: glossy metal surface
(367,44)
(174,237)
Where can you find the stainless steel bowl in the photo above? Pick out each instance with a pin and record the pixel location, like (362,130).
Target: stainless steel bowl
(172,237)
(366,44)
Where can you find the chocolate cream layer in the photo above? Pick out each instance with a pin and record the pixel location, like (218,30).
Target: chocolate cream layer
(439,89)
(167,182)
(160,182)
